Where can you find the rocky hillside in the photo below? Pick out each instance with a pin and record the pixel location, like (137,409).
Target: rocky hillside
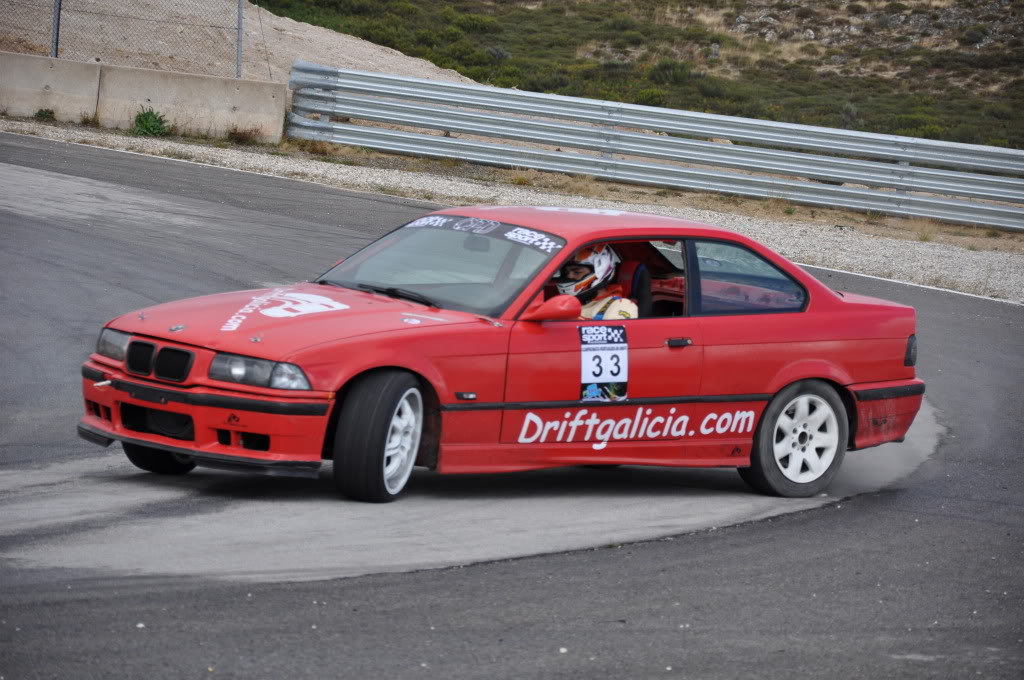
(946,69)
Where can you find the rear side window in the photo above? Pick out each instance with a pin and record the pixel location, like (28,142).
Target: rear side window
(734,280)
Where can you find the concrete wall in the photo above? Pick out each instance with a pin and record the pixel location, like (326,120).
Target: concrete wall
(194,104)
(29,83)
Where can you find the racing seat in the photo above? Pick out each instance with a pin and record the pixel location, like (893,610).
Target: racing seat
(636,285)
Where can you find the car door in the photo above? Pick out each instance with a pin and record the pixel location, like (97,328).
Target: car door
(618,390)
(750,314)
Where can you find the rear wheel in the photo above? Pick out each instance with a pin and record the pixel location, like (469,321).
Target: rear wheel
(155,460)
(800,443)
(378,439)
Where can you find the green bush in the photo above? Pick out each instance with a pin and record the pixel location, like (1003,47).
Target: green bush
(651,97)
(477,23)
(632,37)
(856,9)
(712,88)
(973,34)
(669,72)
(44,114)
(620,23)
(149,123)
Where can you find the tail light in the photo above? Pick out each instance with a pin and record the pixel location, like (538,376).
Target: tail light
(910,357)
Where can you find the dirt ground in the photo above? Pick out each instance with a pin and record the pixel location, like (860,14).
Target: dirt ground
(196,36)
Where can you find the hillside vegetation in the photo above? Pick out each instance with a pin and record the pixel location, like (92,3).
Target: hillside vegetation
(941,69)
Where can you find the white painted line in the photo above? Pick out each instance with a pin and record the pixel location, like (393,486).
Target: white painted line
(907,283)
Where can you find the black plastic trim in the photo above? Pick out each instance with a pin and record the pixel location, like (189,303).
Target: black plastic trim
(522,405)
(91,435)
(215,460)
(90,373)
(889,392)
(156,395)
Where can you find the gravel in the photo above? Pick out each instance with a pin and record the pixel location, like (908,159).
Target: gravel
(992,274)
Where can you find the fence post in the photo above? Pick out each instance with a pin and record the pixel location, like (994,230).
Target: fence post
(238,41)
(55,31)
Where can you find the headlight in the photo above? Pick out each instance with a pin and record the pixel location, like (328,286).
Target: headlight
(288,377)
(258,372)
(113,344)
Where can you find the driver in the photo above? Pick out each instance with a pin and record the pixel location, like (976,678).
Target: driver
(588,276)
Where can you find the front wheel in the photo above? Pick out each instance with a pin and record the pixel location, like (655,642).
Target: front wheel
(378,437)
(800,443)
(155,460)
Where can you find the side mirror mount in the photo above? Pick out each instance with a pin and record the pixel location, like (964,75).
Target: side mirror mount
(558,308)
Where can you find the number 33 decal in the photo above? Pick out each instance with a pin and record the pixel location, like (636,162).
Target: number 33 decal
(613,367)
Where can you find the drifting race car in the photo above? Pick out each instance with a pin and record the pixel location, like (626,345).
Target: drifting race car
(446,344)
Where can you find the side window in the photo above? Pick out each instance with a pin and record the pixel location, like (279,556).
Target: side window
(648,273)
(734,280)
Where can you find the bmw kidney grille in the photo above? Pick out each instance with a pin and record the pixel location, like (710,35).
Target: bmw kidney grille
(168,363)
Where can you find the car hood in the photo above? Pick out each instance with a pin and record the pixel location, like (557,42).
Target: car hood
(275,322)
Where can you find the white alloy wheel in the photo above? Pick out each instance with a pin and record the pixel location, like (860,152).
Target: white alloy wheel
(806,438)
(381,426)
(403,440)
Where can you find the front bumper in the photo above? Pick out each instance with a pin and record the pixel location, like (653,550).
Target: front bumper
(217,428)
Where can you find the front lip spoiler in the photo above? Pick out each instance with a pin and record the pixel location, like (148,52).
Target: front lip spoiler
(309,469)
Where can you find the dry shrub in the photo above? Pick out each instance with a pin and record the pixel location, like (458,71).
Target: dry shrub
(246,136)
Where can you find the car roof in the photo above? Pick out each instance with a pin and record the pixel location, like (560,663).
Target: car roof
(583,223)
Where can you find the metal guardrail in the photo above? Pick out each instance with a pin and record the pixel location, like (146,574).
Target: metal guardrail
(428,104)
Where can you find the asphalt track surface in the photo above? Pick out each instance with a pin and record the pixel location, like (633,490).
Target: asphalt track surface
(921,579)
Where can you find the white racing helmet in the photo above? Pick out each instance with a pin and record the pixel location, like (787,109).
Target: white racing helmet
(601,260)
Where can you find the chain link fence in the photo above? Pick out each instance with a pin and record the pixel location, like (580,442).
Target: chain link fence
(193,36)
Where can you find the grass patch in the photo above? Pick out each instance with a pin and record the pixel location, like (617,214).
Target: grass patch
(385,189)
(44,115)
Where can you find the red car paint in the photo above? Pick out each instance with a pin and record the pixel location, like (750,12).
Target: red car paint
(506,392)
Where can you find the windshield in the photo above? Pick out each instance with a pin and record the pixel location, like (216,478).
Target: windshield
(465,263)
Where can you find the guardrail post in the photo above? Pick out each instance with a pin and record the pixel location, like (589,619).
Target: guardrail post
(55,31)
(238,40)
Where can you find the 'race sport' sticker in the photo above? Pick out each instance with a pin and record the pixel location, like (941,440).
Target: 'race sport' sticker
(604,363)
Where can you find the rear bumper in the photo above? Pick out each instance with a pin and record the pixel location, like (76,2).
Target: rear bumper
(216,428)
(885,411)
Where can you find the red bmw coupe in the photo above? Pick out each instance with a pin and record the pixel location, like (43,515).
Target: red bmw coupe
(446,344)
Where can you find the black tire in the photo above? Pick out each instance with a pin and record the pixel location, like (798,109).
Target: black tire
(155,460)
(374,416)
(800,442)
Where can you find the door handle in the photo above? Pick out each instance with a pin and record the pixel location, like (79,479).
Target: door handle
(679,342)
